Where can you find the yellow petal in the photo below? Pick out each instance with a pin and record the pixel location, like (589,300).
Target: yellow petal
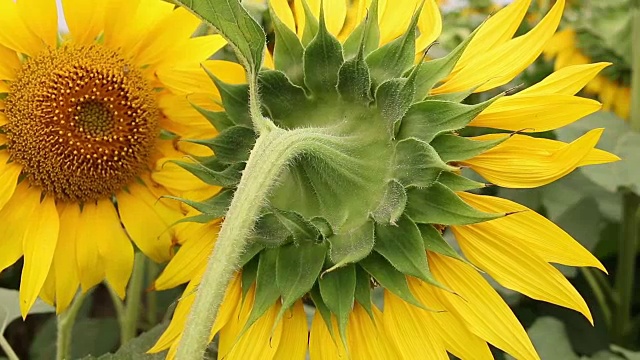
(480,306)
(516,268)
(322,346)
(410,329)
(191,257)
(457,338)
(147,221)
(179,110)
(14,33)
(535,112)
(608,95)
(90,265)
(429,24)
(537,233)
(566,81)
(192,50)
(498,66)
(16,212)
(335,13)
(520,162)
(9,173)
(261,341)
(114,247)
(9,63)
(85,19)
(65,259)
(48,291)
(39,244)
(366,337)
(41,16)
(623,104)
(4,88)
(560,42)
(497,30)
(295,334)
(283,11)
(394,18)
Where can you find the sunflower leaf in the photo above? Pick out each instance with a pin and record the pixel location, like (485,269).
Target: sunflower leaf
(393,98)
(457,182)
(392,204)
(233,22)
(433,241)
(371,40)
(403,247)
(216,206)
(267,293)
(322,61)
(232,145)
(297,269)
(300,229)
(235,98)
(426,119)
(322,307)
(390,278)
(354,81)
(416,163)
(437,204)
(249,274)
(338,292)
(363,289)
(351,246)
(269,231)
(457,148)
(249,253)
(310,24)
(280,96)
(288,51)
(213,172)
(218,119)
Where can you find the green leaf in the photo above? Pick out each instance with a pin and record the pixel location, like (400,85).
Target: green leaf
(213,172)
(233,22)
(134,349)
(433,241)
(403,247)
(235,99)
(426,119)
(267,292)
(437,204)
(249,253)
(216,206)
(322,61)
(431,72)
(363,289)
(270,231)
(323,226)
(298,267)
(352,246)
(288,51)
(354,81)
(393,59)
(416,163)
(371,39)
(249,274)
(392,204)
(218,119)
(393,99)
(457,148)
(457,182)
(310,24)
(299,228)
(321,307)
(550,339)
(338,292)
(281,98)
(390,278)
(232,145)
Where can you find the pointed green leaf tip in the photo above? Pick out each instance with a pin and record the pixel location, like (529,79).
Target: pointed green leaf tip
(233,22)
(338,292)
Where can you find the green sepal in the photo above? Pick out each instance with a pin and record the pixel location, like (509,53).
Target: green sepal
(230,146)
(393,59)
(354,80)
(279,96)
(392,204)
(393,99)
(457,148)
(235,99)
(323,226)
(288,50)
(249,274)
(322,308)
(270,232)
(391,279)
(310,24)
(457,182)
(403,247)
(219,119)
(438,204)
(338,292)
(298,267)
(200,219)
(299,228)
(267,293)
(371,39)
(352,246)
(322,61)
(249,253)
(416,163)
(426,119)
(363,289)
(431,72)
(213,172)
(434,242)
(215,206)
(456,97)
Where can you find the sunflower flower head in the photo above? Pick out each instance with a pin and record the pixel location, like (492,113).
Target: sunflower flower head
(367,205)
(85,115)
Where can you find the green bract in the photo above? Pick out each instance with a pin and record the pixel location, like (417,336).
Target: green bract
(367,178)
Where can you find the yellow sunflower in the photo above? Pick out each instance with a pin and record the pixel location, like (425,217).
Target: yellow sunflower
(327,237)
(85,115)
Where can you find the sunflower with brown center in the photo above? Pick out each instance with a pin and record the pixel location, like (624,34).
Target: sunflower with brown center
(85,118)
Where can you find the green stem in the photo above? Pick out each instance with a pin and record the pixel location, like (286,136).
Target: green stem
(635,66)
(66,320)
(151,297)
(129,320)
(599,293)
(4,345)
(627,251)
(272,152)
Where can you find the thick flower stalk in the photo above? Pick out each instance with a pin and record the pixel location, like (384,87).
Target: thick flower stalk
(344,176)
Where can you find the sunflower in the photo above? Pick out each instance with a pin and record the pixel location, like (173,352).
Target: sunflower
(374,214)
(85,117)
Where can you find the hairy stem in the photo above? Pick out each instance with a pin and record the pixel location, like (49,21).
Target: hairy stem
(4,345)
(635,66)
(131,314)
(66,320)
